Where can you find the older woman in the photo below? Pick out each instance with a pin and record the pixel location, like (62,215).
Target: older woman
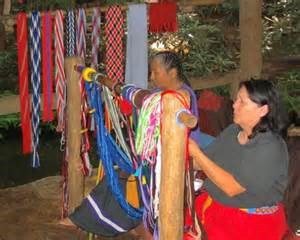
(246,168)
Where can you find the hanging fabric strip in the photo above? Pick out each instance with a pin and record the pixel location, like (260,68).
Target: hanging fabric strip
(96,21)
(60,78)
(81,51)
(137,46)
(114,44)
(70,34)
(22,43)
(81,33)
(35,55)
(47,66)
(162,17)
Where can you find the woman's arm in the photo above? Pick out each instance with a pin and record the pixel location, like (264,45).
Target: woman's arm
(223,179)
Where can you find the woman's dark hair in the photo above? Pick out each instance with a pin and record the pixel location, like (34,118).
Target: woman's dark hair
(263,92)
(171,60)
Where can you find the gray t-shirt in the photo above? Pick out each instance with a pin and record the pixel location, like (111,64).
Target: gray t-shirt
(260,166)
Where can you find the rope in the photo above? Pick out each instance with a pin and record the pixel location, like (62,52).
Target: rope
(35,55)
(22,44)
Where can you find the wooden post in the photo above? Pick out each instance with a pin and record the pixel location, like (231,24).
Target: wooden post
(75,177)
(171,198)
(251,41)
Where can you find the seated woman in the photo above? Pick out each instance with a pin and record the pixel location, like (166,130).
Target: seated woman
(247,170)
(166,74)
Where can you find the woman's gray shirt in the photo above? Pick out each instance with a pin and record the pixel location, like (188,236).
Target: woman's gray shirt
(260,166)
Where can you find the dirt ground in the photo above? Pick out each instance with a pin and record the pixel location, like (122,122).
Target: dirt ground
(31,212)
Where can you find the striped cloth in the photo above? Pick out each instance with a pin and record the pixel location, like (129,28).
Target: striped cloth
(96,21)
(22,43)
(60,78)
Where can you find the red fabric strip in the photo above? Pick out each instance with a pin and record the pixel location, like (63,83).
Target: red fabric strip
(162,17)
(22,43)
(47,67)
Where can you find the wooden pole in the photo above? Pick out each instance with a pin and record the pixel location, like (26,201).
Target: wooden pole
(171,207)
(251,41)
(75,177)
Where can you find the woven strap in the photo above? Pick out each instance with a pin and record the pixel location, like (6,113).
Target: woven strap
(81,51)
(60,78)
(23,72)
(35,55)
(47,66)
(114,44)
(96,21)
(70,34)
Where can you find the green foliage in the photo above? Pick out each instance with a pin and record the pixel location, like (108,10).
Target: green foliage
(8,63)
(281,23)
(202,46)
(289,87)
(228,11)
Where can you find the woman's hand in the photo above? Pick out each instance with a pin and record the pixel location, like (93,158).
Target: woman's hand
(193,149)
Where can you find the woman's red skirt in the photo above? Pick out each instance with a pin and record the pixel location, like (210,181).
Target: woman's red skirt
(221,222)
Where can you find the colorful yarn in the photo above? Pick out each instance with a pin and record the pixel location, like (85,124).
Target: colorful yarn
(148,129)
(110,153)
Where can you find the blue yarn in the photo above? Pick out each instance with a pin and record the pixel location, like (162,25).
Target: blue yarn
(110,153)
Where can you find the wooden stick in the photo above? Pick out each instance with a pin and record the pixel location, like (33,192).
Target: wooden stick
(75,177)
(172,171)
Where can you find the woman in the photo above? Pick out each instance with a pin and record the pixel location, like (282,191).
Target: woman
(246,168)
(166,74)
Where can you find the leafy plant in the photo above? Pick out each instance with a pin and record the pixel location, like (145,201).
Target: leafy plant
(289,87)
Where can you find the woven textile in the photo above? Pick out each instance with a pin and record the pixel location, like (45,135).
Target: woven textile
(96,21)
(81,33)
(35,60)
(47,66)
(162,17)
(22,43)
(137,46)
(70,34)
(81,51)
(60,78)
(114,33)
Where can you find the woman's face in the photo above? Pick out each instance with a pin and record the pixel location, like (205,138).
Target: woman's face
(160,77)
(247,113)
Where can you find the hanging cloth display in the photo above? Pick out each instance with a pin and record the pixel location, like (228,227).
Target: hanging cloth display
(137,46)
(114,44)
(47,66)
(81,52)
(35,57)
(22,43)
(60,78)
(96,21)
(162,17)
(70,34)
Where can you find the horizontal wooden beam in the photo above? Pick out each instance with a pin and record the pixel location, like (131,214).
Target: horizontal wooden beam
(199,2)
(214,81)
(11,104)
